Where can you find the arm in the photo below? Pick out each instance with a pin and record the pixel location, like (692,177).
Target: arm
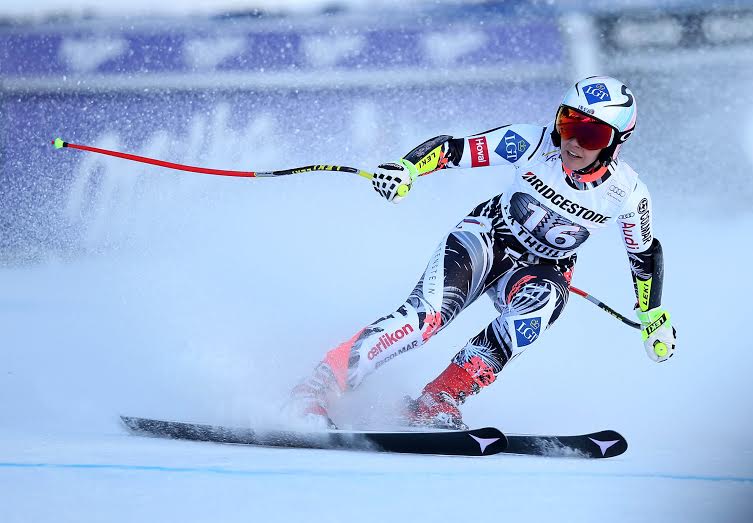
(643,249)
(506,145)
(647,269)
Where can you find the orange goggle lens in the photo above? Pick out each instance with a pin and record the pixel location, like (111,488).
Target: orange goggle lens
(590,133)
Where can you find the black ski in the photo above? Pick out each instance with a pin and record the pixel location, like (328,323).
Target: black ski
(476,442)
(603,444)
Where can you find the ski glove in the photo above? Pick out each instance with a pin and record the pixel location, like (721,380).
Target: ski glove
(659,337)
(393,180)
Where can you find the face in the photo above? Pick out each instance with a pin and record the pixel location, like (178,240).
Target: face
(576,157)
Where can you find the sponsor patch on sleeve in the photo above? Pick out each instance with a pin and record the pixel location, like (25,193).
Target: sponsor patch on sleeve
(512,146)
(479,152)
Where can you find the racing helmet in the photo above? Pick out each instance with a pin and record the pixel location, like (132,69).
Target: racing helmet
(600,111)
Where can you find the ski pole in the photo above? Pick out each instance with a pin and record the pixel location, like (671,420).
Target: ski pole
(59,144)
(603,306)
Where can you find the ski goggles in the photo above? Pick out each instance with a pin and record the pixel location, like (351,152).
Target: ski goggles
(592,134)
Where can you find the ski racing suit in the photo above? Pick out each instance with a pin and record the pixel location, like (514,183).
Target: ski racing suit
(519,248)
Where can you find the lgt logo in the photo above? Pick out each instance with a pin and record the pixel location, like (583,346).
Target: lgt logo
(512,146)
(596,93)
(527,331)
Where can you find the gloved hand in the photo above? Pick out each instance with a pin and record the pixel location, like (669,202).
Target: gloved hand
(659,337)
(393,180)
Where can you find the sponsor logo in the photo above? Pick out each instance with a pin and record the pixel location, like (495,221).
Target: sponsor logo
(596,93)
(645,220)
(626,216)
(397,353)
(586,110)
(661,320)
(645,295)
(387,340)
(604,446)
(613,189)
(562,202)
(479,152)
(512,146)
(527,330)
(483,443)
(429,161)
(627,235)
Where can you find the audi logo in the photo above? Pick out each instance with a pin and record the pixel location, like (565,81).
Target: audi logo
(616,190)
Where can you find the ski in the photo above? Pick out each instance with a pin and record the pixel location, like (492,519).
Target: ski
(478,442)
(475,442)
(602,444)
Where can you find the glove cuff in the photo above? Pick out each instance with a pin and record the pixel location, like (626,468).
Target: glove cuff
(411,168)
(650,315)
(652,320)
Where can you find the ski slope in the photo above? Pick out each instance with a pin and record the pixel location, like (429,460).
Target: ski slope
(212,316)
(205,299)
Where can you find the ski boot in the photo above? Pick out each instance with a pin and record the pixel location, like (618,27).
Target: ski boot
(307,405)
(438,405)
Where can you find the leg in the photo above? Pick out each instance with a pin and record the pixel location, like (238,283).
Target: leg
(529,298)
(462,268)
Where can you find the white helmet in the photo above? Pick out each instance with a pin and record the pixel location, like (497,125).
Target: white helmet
(608,100)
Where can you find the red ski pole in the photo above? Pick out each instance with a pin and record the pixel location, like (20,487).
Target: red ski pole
(59,144)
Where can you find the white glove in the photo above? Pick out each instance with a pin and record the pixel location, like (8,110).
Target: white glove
(393,180)
(659,337)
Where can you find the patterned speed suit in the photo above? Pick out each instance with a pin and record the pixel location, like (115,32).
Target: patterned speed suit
(518,248)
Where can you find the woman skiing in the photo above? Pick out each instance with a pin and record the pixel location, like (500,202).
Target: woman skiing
(519,248)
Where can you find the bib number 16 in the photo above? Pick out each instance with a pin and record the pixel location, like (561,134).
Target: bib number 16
(560,236)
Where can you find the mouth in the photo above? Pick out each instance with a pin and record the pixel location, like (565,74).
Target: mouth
(573,155)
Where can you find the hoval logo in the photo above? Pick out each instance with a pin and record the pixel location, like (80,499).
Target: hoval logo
(527,330)
(512,146)
(596,93)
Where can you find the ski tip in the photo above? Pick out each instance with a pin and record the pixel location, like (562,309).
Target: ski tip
(610,443)
(59,143)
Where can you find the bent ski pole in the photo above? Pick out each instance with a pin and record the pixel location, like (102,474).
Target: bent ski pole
(59,144)
(603,306)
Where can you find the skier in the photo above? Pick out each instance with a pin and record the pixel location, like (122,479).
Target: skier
(519,248)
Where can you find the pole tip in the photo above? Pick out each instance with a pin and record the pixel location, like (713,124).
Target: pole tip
(58,143)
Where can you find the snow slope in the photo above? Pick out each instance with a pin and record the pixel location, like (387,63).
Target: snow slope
(204,299)
(214,318)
